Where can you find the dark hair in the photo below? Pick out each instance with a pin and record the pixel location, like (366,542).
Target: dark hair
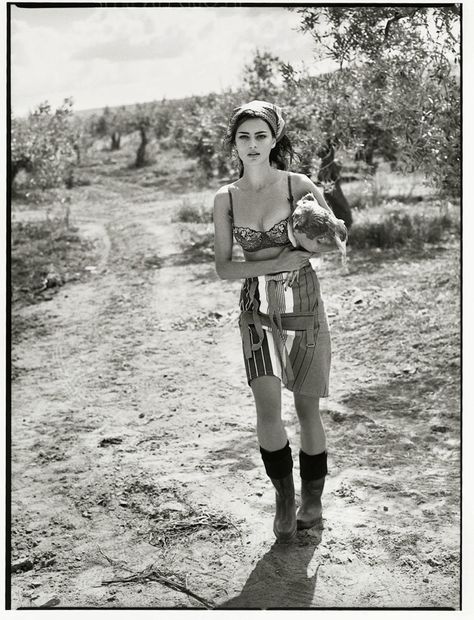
(281,155)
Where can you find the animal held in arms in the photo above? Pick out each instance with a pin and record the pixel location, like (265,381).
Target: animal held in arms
(316,229)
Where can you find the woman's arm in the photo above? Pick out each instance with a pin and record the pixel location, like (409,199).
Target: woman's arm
(226,268)
(303,185)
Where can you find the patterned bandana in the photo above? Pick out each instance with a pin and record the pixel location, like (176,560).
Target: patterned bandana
(268,111)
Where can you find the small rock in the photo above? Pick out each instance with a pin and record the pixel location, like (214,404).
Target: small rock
(109,440)
(426,580)
(385,508)
(86,514)
(48,602)
(48,562)
(123,503)
(141,415)
(433,562)
(175,506)
(438,428)
(21,565)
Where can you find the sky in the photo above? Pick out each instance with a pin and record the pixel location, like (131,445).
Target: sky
(112,56)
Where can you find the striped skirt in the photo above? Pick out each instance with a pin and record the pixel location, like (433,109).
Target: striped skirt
(285,333)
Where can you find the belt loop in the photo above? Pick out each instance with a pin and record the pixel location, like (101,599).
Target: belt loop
(310,342)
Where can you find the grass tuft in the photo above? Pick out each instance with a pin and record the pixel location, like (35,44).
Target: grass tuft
(193,214)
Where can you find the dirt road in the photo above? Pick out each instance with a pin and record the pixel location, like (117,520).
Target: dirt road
(134,454)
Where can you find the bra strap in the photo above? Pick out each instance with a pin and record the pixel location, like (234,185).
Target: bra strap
(290,192)
(231,205)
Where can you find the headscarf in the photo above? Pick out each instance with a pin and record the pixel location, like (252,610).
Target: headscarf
(270,113)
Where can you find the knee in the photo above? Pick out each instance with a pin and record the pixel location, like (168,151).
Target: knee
(307,409)
(268,416)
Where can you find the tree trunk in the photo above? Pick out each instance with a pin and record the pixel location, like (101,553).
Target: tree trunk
(140,160)
(329,172)
(77,150)
(115,144)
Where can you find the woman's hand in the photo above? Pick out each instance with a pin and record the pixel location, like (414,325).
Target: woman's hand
(293,260)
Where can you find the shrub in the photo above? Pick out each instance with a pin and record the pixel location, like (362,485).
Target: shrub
(190,213)
(43,146)
(395,228)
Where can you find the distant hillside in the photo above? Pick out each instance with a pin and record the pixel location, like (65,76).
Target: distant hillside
(90,111)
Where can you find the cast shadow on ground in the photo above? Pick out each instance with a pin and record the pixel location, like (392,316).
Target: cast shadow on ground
(280,578)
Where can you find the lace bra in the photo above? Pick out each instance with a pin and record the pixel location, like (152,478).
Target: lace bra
(253,240)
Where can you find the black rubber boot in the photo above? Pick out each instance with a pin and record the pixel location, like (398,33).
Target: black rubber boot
(279,467)
(284,524)
(313,470)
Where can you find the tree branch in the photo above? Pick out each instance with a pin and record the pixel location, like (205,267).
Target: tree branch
(397,17)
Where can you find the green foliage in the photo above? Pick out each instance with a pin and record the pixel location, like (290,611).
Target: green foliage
(396,93)
(262,75)
(43,145)
(198,129)
(112,123)
(362,33)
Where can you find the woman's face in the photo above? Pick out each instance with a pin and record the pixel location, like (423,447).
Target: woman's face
(254,141)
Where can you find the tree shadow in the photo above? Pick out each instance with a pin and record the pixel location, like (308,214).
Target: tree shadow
(280,578)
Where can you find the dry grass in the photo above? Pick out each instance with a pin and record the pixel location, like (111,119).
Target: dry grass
(193,213)
(385,186)
(46,253)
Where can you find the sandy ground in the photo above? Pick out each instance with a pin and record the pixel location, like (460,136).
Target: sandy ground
(134,454)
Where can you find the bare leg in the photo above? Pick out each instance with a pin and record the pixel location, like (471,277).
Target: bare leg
(270,430)
(312,435)
(276,454)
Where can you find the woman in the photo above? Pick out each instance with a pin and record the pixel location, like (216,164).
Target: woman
(284,329)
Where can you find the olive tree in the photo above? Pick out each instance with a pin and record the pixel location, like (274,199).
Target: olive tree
(398,65)
(43,145)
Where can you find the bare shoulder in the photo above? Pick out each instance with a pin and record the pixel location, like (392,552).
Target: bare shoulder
(222,195)
(301,183)
(222,203)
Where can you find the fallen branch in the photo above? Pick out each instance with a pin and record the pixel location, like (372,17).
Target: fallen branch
(152,574)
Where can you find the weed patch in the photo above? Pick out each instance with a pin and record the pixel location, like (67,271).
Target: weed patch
(191,213)
(45,255)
